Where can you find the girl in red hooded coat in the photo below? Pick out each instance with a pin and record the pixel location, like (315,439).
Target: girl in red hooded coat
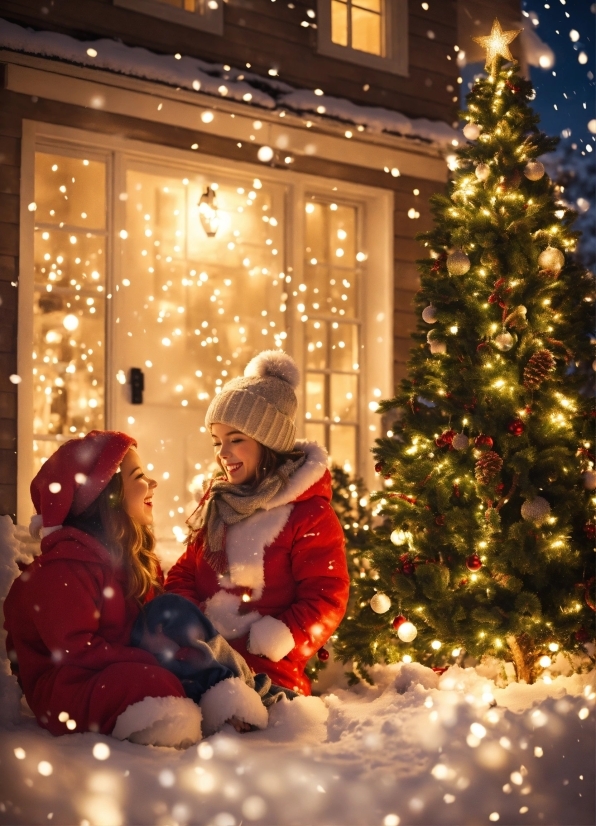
(265,559)
(69,615)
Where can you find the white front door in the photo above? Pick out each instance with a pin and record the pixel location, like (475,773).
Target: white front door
(198,290)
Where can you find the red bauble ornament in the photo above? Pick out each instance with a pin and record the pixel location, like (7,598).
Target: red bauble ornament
(408,568)
(440,519)
(516,427)
(581,635)
(398,621)
(473,563)
(323,655)
(483,441)
(445,438)
(590,530)
(379,467)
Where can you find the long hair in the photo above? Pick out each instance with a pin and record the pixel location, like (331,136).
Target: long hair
(130,545)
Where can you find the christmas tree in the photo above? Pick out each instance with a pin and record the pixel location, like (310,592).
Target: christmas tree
(487,546)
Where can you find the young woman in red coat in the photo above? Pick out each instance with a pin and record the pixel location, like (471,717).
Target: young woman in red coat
(265,559)
(69,615)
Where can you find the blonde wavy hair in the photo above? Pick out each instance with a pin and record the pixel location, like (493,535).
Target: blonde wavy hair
(130,544)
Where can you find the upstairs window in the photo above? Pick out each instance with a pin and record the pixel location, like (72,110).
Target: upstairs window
(358,24)
(198,14)
(371,33)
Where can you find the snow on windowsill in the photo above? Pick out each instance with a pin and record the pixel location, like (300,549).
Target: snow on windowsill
(192,74)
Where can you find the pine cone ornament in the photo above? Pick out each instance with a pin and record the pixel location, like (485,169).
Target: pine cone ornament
(537,369)
(487,467)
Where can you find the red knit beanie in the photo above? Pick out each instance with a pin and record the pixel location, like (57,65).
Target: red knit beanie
(74,476)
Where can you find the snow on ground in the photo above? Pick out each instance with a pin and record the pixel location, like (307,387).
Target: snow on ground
(220,81)
(415,748)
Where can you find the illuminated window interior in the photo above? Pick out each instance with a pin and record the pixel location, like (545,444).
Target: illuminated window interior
(69,300)
(358,24)
(332,273)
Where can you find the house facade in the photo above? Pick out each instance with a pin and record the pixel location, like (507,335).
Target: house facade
(184,183)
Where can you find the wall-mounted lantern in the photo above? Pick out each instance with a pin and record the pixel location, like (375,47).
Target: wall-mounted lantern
(208,213)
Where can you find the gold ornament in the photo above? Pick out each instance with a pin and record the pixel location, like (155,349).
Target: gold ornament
(471,131)
(482,171)
(497,45)
(551,259)
(534,170)
(458,263)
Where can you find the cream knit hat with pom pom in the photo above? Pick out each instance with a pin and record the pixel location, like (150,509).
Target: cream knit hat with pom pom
(262,404)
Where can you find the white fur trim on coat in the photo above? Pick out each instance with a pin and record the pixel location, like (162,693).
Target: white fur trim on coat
(305,477)
(271,638)
(222,610)
(160,721)
(231,698)
(245,546)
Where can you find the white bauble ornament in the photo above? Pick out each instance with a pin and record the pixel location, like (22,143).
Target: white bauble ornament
(380,603)
(407,632)
(589,478)
(535,510)
(551,259)
(482,171)
(534,170)
(594,365)
(504,341)
(471,131)
(429,314)
(398,537)
(460,441)
(437,347)
(458,263)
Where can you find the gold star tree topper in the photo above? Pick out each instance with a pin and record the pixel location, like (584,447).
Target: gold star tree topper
(497,44)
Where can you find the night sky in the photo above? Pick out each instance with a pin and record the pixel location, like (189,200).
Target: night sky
(565,92)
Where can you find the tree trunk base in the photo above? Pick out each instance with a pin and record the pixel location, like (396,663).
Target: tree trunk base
(522,651)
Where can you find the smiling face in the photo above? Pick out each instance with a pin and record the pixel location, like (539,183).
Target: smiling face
(238,454)
(137,489)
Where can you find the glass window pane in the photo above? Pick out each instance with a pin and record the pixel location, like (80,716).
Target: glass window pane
(315,395)
(342,446)
(216,300)
(343,236)
(344,397)
(69,301)
(316,345)
(315,433)
(317,228)
(70,190)
(342,286)
(344,346)
(366,31)
(339,23)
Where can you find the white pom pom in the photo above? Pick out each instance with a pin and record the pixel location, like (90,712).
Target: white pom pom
(35,525)
(274,363)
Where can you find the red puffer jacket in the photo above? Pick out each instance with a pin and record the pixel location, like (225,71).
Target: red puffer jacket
(69,623)
(288,583)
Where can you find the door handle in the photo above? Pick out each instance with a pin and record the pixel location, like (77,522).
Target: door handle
(137,385)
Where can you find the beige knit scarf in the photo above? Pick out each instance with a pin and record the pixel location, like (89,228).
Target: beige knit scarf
(225,504)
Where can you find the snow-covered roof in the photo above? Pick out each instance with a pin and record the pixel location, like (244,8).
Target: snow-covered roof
(219,80)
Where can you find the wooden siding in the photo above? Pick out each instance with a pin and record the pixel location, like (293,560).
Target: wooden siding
(269,35)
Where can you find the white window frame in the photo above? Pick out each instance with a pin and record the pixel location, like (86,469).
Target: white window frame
(394,34)
(206,19)
(376,299)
